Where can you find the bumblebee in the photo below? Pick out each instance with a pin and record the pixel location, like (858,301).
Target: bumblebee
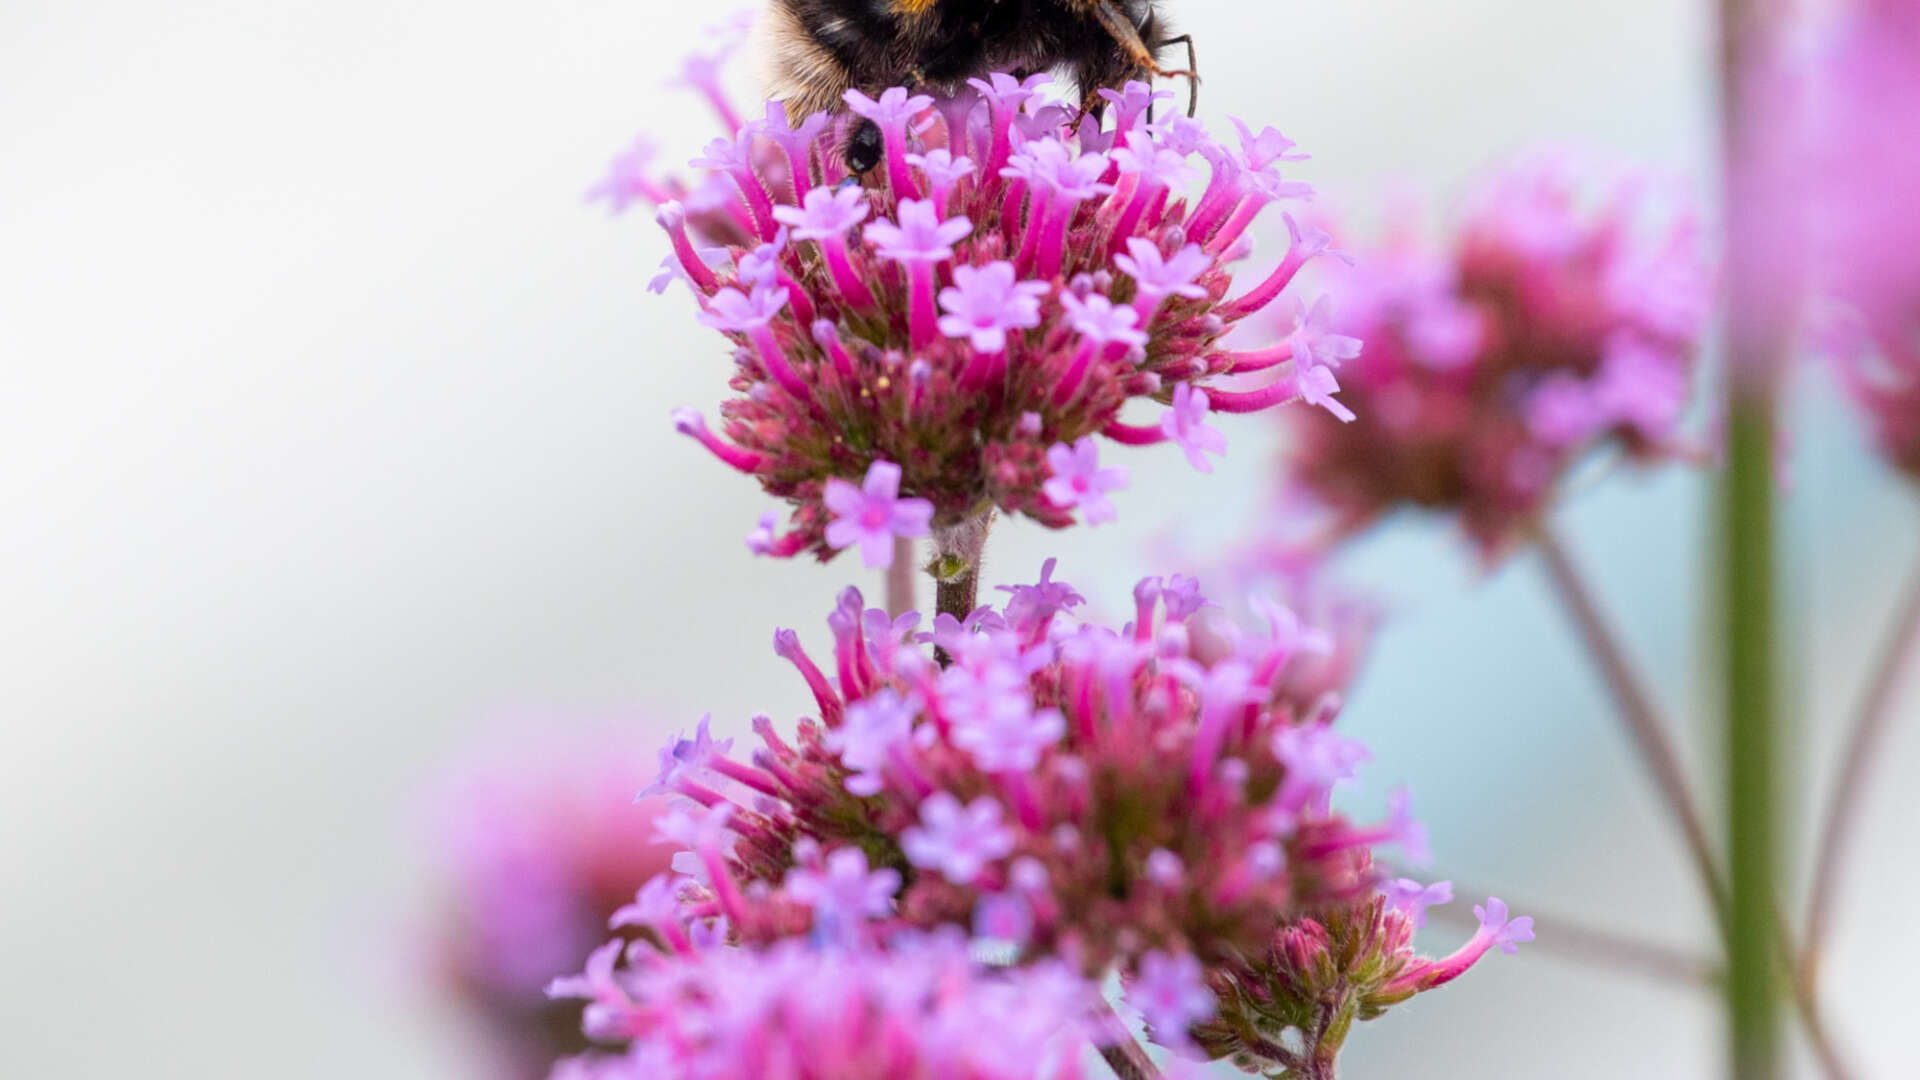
(814,51)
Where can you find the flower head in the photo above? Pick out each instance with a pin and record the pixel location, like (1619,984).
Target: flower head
(1154,799)
(1867,82)
(1493,364)
(843,1009)
(536,844)
(1009,284)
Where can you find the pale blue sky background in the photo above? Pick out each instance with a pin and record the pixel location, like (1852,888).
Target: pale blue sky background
(333,424)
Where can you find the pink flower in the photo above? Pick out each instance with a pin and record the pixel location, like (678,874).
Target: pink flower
(1412,899)
(957,841)
(627,180)
(825,213)
(1078,481)
(1497,930)
(1157,276)
(985,302)
(1171,994)
(1186,424)
(731,309)
(1314,341)
(894,108)
(873,514)
(919,236)
(846,891)
(873,727)
(1100,322)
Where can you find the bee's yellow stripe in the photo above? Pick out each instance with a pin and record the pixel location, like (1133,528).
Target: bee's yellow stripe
(910,7)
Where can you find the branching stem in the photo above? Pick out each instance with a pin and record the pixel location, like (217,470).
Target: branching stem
(1849,789)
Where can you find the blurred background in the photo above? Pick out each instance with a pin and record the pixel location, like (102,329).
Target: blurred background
(334,442)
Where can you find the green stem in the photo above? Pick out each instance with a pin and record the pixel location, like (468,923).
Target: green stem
(1762,292)
(1752,737)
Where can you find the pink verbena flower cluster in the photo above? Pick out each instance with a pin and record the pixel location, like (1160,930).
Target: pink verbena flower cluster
(951,339)
(538,847)
(1866,228)
(1153,798)
(1552,324)
(919,1008)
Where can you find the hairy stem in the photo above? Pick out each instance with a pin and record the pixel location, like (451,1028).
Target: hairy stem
(1128,1061)
(1123,1054)
(956,565)
(1637,710)
(1849,789)
(900,578)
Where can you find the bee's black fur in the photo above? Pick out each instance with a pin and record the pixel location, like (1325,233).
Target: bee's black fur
(873,44)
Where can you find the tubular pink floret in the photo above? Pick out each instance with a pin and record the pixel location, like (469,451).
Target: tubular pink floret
(1053,238)
(673,218)
(1496,930)
(688,421)
(775,359)
(1236,225)
(1075,374)
(922,318)
(1300,251)
(845,278)
(1254,359)
(797,298)
(787,645)
(1276,393)
(1223,192)
(759,203)
(827,336)
(1132,435)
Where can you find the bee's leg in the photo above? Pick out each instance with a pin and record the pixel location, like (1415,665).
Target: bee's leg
(1127,36)
(1192,73)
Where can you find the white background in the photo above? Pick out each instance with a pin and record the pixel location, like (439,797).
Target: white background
(332,427)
